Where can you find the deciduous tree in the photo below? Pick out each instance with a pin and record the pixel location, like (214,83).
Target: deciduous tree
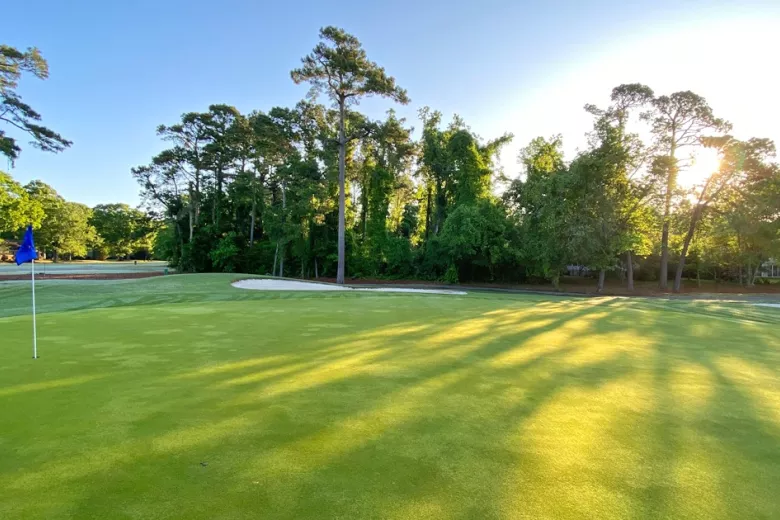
(744,168)
(678,121)
(17,208)
(65,227)
(122,228)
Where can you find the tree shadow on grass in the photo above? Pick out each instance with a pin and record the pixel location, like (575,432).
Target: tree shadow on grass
(216,427)
(358,419)
(551,411)
(709,449)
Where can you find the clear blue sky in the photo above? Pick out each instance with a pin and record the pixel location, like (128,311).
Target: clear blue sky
(118,69)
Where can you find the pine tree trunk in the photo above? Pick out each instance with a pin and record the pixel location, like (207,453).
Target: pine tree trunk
(218,199)
(178,235)
(253,215)
(192,212)
(284,221)
(363,215)
(664,273)
(276,254)
(671,181)
(440,202)
(192,224)
(342,194)
(602,275)
(316,271)
(630,270)
(428,213)
(252,227)
(196,199)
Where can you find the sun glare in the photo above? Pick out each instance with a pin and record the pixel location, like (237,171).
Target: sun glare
(704,163)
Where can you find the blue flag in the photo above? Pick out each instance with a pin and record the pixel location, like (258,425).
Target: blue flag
(26,252)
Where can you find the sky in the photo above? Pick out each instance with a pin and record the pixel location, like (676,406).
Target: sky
(119,69)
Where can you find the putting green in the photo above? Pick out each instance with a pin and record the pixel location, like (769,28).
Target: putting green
(182,397)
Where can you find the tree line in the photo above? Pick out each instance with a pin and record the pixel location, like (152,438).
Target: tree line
(67,230)
(63,228)
(320,189)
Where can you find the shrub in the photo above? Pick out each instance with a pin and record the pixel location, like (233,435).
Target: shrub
(433,260)
(451,276)
(259,258)
(399,257)
(225,255)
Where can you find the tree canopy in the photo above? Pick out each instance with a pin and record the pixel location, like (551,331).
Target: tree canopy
(320,189)
(15,113)
(65,229)
(339,67)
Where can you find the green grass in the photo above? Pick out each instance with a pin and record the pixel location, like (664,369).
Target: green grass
(181,397)
(82,267)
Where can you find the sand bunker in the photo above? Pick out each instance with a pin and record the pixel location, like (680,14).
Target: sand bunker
(291,285)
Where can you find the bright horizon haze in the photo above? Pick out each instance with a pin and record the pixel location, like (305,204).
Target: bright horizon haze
(119,70)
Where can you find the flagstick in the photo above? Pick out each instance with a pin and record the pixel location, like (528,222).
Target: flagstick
(35,328)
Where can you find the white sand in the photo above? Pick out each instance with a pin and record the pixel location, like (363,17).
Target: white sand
(775,305)
(291,285)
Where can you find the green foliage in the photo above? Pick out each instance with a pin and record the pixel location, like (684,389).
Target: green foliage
(17,208)
(315,190)
(399,257)
(543,210)
(475,238)
(678,121)
(165,245)
(258,259)
(743,226)
(451,275)
(602,200)
(65,228)
(17,114)
(224,254)
(79,234)
(339,67)
(433,259)
(457,166)
(74,230)
(123,229)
